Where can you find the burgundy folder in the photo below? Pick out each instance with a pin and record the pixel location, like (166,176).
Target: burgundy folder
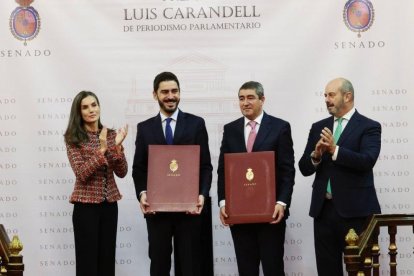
(173,178)
(250,186)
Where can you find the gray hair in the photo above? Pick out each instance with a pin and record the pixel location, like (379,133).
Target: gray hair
(256,86)
(347,87)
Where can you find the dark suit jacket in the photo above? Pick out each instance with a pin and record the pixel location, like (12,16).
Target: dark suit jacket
(189,130)
(274,135)
(351,175)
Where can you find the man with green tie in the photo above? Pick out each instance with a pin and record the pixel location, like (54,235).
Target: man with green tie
(342,150)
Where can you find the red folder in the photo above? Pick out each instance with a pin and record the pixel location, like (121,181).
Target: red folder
(173,178)
(250,186)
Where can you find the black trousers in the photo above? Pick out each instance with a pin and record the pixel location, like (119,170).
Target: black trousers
(259,243)
(329,231)
(184,230)
(95,228)
(207,262)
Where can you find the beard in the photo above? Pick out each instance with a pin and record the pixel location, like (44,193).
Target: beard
(164,105)
(334,109)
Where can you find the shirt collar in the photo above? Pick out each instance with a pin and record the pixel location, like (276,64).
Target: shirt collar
(258,120)
(173,116)
(348,115)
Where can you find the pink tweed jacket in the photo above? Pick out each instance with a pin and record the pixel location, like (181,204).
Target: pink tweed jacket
(94,171)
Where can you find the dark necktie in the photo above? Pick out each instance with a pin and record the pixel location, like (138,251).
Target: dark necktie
(168,132)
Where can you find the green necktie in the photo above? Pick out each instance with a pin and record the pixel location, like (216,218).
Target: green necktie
(336,136)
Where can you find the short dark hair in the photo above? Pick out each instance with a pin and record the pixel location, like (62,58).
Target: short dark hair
(256,86)
(165,76)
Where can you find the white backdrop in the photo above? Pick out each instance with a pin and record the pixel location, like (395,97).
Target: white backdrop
(115,48)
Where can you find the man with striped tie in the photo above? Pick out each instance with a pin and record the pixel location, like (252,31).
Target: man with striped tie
(342,150)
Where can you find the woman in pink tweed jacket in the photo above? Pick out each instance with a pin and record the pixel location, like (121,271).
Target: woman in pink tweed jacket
(95,154)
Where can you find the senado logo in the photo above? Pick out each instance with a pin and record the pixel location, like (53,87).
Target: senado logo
(25,21)
(358,15)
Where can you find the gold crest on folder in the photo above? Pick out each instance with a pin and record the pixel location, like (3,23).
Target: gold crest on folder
(174,165)
(249,174)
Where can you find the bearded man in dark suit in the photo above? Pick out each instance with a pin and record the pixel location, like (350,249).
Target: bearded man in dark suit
(342,151)
(164,228)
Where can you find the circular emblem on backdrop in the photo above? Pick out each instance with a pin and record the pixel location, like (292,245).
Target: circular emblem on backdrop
(25,21)
(358,15)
